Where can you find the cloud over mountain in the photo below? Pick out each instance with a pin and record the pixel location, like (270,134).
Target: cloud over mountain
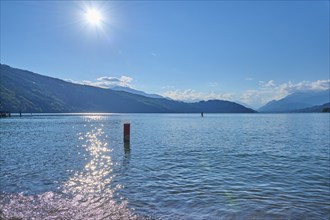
(107,82)
(115,81)
(305,86)
(191,95)
(270,90)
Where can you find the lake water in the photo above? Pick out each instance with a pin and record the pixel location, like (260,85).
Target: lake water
(178,166)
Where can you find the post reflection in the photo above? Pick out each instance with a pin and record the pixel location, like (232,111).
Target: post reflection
(125,164)
(127,148)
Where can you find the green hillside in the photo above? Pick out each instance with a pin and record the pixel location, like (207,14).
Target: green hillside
(22,90)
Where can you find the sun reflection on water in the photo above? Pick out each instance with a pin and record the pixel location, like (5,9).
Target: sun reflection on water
(87,194)
(97,176)
(93,187)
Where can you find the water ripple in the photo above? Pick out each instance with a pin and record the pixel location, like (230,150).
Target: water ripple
(177,167)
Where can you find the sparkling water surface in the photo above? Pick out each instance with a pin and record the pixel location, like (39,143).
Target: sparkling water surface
(178,166)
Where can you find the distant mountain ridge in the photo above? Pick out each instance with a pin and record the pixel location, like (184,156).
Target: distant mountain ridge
(315,109)
(134,91)
(22,90)
(296,101)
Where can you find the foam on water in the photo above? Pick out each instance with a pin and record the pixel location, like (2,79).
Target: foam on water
(50,205)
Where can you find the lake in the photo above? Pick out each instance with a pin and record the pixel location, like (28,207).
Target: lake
(178,166)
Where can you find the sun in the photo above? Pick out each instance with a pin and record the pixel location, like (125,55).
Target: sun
(94,16)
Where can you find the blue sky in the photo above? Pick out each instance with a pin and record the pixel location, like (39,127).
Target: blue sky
(248,51)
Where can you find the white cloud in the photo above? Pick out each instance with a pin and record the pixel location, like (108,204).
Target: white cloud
(190,95)
(270,83)
(107,82)
(109,79)
(257,97)
(305,86)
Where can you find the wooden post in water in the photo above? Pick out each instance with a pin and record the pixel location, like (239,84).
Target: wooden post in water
(127,132)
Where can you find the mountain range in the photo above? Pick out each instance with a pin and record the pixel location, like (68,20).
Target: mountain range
(318,108)
(22,90)
(298,102)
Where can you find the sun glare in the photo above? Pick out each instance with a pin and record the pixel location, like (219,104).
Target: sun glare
(94,16)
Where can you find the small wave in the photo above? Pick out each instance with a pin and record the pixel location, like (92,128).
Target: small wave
(50,205)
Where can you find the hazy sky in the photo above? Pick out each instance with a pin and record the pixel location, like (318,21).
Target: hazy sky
(248,51)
